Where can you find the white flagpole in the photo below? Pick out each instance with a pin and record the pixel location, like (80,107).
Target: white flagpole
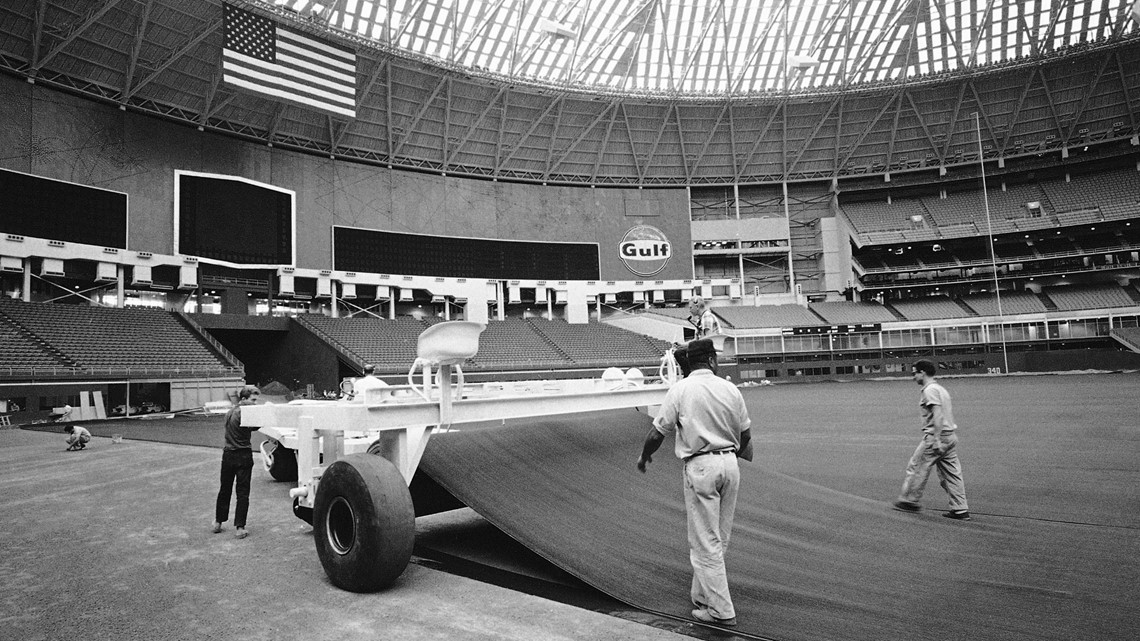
(990,237)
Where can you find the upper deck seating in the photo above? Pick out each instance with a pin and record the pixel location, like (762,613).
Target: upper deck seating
(929,308)
(1113,192)
(762,316)
(1011,303)
(880,216)
(844,313)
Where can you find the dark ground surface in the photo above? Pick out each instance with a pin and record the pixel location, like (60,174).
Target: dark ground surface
(1050,464)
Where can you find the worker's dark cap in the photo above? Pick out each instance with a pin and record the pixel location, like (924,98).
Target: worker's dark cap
(700,349)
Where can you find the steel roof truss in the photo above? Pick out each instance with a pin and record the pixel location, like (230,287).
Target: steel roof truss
(534,125)
(781,106)
(140,33)
(172,58)
(869,127)
(275,121)
(982,115)
(1052,105)
(586,130)
(712,133)
(439,86)
(605,142)
(37,35)
(925,128)
(92,17)
(637,167)
(553,137)
(953,119)
(1088,94)
(475,126)
(1127,95)
(814,133)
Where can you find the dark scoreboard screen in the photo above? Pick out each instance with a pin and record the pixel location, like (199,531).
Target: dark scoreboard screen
(233,220)
(57,210)
(386,252)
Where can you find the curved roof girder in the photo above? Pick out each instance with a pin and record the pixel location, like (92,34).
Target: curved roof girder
(137,55)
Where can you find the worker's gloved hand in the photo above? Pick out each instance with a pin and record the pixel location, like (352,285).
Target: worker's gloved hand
(642,462)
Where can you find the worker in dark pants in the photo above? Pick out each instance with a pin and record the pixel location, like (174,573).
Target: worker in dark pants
(237,466)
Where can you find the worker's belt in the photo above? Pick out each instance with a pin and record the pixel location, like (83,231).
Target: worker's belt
(728,451)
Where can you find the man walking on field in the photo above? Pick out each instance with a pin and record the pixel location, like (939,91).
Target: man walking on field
(938,448)
(711,428)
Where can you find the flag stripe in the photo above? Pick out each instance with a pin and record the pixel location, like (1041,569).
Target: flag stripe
(261,56)
(252,72)
(290,96)
(341,58)
(257,70)
(290,57)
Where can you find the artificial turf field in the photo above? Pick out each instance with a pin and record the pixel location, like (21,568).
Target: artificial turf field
(1050,464)
(1051,472)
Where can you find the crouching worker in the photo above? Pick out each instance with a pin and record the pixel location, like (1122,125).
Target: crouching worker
(77,437)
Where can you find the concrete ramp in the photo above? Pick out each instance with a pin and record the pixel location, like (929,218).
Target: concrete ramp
(807,562)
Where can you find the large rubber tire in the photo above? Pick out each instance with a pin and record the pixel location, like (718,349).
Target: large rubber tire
(280,461)
(364,523)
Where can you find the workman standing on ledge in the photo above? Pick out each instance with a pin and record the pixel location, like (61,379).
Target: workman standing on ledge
(710,421)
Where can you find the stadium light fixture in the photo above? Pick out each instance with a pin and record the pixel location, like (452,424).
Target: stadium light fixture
(800,61)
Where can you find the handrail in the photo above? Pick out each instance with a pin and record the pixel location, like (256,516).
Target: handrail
(11,372)
(200,331)
(330,341)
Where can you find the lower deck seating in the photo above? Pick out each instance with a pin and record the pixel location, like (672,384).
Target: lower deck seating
(509,344)
(597,343)
(104,338)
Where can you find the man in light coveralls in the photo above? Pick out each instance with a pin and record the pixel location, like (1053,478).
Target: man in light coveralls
(711,426)
(938,448)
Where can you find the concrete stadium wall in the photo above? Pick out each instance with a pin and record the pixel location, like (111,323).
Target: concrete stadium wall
(57,135)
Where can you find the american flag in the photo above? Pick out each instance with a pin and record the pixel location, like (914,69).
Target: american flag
(273,60)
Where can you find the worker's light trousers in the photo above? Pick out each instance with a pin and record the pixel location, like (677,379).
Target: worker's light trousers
(924,459)
(711,485)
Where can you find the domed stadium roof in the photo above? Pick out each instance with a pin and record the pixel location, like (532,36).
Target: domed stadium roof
(723,47)
(647,93)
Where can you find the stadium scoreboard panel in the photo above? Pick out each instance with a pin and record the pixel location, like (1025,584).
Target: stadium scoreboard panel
(233,220)
(52,209)
(386,252)
(833,329)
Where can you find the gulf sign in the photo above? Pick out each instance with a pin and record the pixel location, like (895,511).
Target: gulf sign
(645,250)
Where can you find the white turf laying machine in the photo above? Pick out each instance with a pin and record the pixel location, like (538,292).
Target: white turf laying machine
(353,460)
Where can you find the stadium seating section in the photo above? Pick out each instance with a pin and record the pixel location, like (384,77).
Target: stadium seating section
(1011,303)
(1109,194)
(930,308)
(103,339)
(1098,297)
(509,344)
(845,313)
(767,316)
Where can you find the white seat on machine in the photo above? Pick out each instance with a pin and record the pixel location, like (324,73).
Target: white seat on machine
(449,343)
